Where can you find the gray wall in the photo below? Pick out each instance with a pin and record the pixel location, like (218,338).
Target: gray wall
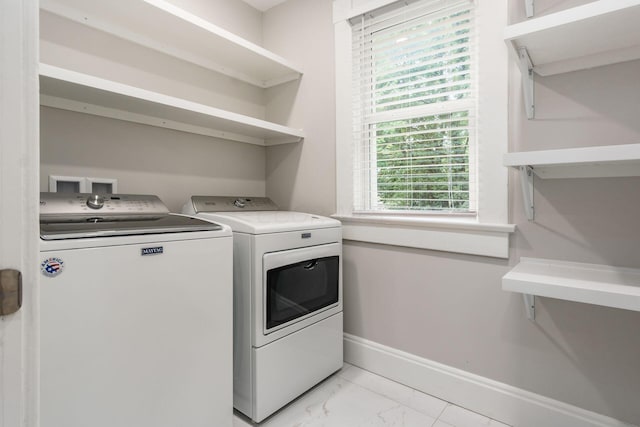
(235,16)
(302,176)
(146,159)
(449,308)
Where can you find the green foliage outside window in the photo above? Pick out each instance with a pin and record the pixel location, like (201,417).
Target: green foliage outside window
(422,163)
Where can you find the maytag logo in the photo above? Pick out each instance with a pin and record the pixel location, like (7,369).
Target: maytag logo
(306,235)
(156,250)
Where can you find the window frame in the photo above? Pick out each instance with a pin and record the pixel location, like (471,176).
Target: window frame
(485,233)
(365,139)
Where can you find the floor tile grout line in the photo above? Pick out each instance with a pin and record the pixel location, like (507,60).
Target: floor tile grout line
(443,409)
(468,410)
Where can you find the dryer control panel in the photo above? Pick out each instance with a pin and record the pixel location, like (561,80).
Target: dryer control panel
(231,204)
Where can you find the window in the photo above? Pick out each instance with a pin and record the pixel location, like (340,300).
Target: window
(414,108)
(421,124)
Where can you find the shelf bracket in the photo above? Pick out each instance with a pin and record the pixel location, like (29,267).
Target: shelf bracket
(530,306)
(526,181)
(528,5)
(526,69)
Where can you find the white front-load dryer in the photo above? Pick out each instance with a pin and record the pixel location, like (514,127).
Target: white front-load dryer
(287,276)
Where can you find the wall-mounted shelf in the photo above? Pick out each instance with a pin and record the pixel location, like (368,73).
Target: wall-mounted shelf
(585,162)
(587,283)
(598,33)
(70,90)
(163,27)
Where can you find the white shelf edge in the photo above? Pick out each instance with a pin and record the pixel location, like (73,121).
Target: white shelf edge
(583,162)
(287,70)
(567,17)
(256,131)
(613,56)
(596,284)
(612,161)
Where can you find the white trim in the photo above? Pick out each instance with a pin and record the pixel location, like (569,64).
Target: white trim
(493,399)
(426,222)
(19,201)
(344,153)
(441,235)
(493,113)
(345,10)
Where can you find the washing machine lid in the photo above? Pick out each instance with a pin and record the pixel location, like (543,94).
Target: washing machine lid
(262,222)
(169,223)
(81,215)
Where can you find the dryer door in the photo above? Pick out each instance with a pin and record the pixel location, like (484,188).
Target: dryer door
(299,284)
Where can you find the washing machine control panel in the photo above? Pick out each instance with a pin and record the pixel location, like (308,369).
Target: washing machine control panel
(232,204)
(95,201)
(77,207)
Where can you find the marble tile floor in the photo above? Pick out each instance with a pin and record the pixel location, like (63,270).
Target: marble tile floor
(353,397)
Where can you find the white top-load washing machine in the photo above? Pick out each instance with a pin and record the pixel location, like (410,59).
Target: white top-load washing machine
(135,314)
(287,299)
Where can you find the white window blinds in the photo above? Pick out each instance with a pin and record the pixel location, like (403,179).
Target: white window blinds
(414,107)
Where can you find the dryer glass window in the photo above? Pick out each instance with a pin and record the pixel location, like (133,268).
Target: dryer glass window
(298,289)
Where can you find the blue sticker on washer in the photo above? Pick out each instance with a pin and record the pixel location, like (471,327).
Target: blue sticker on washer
(51,267)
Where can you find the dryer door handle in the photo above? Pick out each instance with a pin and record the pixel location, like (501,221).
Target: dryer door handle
(311,264)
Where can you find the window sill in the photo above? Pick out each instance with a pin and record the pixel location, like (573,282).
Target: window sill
(460,236)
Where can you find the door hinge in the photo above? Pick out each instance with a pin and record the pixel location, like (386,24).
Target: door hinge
(10,291)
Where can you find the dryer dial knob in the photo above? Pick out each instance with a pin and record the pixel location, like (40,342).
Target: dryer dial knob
(95,201)
(239,203)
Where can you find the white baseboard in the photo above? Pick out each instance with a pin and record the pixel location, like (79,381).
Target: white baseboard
(493,399)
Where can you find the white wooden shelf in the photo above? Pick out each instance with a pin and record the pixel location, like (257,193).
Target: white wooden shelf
(70,90)
(587,283)
(598,33)
(166,28)
(585,162)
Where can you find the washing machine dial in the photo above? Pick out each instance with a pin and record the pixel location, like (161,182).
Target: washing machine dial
(239,203)
(95,201)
